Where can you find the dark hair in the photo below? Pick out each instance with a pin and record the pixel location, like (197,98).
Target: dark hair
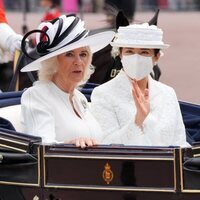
(156,51)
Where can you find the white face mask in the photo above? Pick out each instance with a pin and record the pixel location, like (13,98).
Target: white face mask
(137,66)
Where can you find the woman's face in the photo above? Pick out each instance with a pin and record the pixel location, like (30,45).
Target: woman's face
(125,51)
(72,65)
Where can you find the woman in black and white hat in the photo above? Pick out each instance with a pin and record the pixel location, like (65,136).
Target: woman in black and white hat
(133,108)
(53,108)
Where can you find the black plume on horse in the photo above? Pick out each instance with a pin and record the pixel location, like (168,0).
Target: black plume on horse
(121,20)
(154,20)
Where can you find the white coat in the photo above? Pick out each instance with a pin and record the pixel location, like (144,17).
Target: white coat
(115,110)
(48,113)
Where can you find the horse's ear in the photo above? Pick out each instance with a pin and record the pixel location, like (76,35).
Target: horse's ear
(154,19)
(121,20)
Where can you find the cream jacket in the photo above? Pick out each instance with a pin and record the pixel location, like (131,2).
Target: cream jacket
(47,113)
(114,108)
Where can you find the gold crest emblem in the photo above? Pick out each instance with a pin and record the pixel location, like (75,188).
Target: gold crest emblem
(107,173)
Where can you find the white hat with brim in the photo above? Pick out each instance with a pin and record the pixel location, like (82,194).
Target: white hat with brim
(94,42)
(136,45)
(139,36)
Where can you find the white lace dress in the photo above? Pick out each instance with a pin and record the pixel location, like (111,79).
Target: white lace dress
(114,108)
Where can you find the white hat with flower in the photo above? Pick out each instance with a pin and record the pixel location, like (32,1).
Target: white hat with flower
(139,36)
(61,35)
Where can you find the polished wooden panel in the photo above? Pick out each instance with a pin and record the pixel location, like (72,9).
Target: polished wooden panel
(137,173)
(132,168)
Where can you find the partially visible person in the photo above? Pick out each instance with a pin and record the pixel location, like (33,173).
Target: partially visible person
(9,40)
(53,108)
(52,9)
(132,108)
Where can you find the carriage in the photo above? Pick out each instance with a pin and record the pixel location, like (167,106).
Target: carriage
(32,170)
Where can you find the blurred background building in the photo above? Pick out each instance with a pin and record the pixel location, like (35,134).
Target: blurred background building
(98,5)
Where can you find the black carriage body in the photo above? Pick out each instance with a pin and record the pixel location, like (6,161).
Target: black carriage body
(30,170)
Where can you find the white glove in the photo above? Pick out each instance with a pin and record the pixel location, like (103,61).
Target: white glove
(9,40)
(14,42)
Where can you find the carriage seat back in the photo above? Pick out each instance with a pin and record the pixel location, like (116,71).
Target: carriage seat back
(13,114)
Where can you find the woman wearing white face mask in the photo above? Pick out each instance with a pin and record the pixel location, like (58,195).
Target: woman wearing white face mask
(133,108)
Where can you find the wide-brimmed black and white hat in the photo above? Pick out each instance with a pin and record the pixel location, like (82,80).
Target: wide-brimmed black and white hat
(61,35)
(139,36)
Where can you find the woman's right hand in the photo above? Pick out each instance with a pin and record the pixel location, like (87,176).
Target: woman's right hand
(141,102)
(83,142)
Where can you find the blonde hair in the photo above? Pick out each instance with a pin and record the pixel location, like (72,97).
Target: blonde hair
(49,68)
(89,68)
